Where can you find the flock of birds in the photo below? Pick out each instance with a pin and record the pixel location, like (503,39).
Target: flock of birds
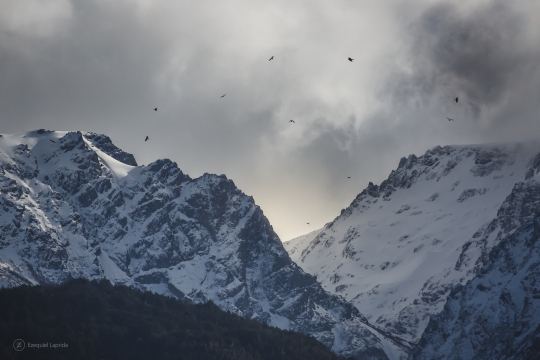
(292,121)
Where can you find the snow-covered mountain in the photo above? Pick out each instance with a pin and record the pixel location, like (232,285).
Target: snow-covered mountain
(74,205)
(496,315)
(399,248)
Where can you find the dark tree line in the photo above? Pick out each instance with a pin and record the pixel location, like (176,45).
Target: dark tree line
(100,321)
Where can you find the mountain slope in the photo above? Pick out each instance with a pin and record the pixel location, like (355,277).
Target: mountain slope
(400,247)
(300,243)
(73,205)
(496,315)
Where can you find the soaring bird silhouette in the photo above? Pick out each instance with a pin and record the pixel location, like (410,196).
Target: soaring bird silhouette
(155,109)
(450,119)
(292,121)
(271,58)
(223,95)
(53,141)
(348,177)
(456,99)
(351,59)
(307,223)
(146,138)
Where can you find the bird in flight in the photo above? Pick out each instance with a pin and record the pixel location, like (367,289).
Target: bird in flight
(271,58)
(146,138)
(456,99)
(351,59)
(223,95)
(155,109)
(348,177)
(450,119)
(307,223)
(53,141)
(292,121)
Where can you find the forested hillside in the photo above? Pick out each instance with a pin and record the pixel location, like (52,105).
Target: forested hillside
(97,320)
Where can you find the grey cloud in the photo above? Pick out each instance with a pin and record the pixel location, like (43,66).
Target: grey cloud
(105,65)
(98,69)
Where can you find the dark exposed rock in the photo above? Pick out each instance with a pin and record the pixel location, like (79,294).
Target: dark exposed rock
(470,193)
(105,144)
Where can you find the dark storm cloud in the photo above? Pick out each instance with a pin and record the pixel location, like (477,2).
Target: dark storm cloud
(479,54)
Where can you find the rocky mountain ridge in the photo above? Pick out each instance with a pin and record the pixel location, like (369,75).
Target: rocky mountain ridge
(74,205)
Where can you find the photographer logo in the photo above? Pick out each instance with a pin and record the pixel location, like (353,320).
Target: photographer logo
(19,345)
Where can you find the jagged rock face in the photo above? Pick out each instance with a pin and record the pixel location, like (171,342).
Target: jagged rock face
(105,144)
(399,248)
(496,315)
(73,205)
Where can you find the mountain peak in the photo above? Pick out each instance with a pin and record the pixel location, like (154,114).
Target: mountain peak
(399,247)
(104,143)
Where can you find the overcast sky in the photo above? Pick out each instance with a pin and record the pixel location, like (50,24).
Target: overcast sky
(103,65)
